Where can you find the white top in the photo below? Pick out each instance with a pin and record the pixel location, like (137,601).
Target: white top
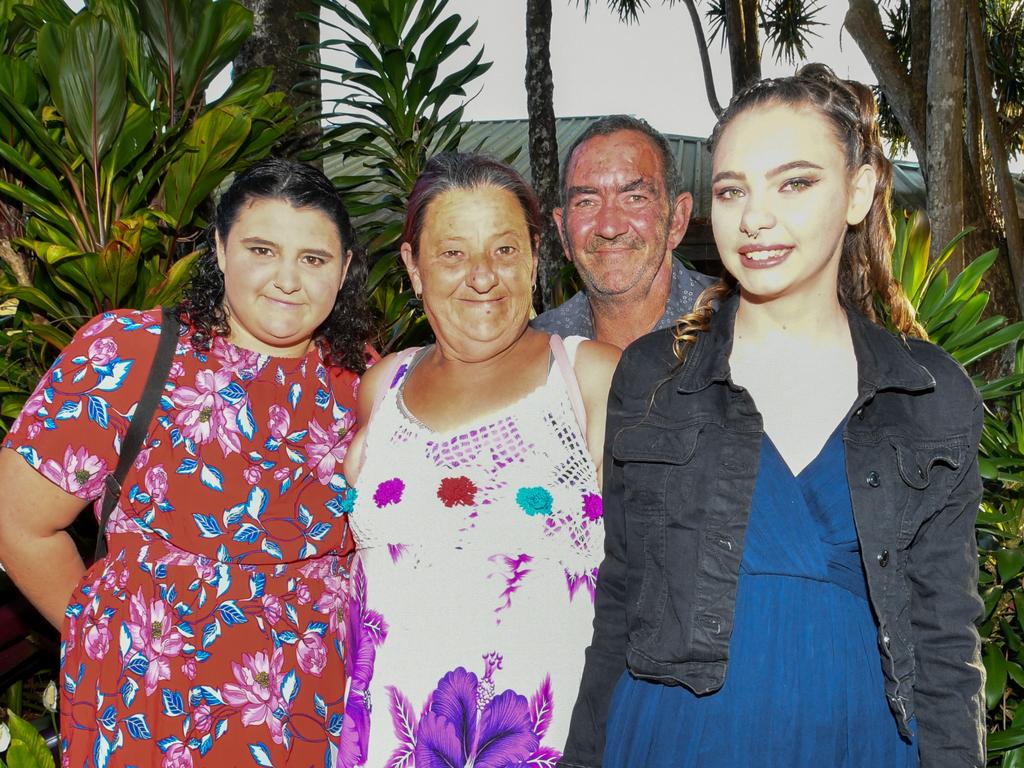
(473,587)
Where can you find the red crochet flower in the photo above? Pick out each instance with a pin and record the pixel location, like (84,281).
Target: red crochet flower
(457,491)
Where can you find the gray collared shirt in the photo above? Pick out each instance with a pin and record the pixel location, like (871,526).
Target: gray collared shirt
(574,318)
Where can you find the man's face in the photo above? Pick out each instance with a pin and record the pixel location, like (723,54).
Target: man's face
(618,226)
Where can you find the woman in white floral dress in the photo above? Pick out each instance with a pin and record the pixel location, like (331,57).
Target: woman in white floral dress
(478,520)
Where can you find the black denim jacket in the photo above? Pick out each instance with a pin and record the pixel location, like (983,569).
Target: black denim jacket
(681,459)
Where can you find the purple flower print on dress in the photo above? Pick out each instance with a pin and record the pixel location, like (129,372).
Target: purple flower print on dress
(156,483)
(586,579)
(177,756)
(456,731)
(235,360)
(311,654)
(97,636)
(81,473)
(204,415)
(514,572)
(389,492)
(593,507)
(535,500)
(365,630)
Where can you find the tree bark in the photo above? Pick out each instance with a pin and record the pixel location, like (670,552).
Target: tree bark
(944,156)
(277,35)
(744,43)
(993,133)
(543,148)
(907,100)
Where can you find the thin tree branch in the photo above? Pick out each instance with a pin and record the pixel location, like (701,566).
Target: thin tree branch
(705,59)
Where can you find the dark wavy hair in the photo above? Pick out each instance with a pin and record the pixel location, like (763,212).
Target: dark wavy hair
(343,336)
(463,170)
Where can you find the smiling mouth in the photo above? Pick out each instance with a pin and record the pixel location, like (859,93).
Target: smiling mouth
(764,257)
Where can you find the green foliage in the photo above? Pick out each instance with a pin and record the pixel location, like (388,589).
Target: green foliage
(27,748)
(396,110)
(107,156)
(951,312)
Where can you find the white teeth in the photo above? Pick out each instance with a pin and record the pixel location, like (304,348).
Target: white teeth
(764,255)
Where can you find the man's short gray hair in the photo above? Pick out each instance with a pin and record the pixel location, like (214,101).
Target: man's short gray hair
(612,124)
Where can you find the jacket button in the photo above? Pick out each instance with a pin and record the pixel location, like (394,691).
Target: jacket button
(873,479)
(883,558)
(859,413)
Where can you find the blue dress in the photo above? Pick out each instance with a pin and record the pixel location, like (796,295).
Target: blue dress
(804,685)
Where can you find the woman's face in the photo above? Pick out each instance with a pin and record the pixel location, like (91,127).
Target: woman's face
(782,199)
(283,267)
(475,269)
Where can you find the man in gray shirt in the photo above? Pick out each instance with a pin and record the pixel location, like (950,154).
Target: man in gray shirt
(622,214)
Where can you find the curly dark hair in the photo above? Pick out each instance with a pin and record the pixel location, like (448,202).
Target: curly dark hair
(343,336)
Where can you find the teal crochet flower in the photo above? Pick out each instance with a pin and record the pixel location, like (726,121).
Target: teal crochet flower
(534,501)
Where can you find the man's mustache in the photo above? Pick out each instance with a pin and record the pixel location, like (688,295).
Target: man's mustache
(621,242)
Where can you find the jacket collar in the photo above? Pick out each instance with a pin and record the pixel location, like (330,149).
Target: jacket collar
(883,359)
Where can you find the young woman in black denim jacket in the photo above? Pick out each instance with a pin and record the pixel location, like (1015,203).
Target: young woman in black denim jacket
(790,489)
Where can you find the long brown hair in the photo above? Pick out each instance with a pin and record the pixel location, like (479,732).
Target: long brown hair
(865,268)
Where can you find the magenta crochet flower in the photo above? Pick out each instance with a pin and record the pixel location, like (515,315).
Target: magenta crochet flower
(389,492)
(593,508)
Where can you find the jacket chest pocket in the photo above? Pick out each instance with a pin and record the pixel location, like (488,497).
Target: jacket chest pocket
(657,478)
(927,472)
(656,464)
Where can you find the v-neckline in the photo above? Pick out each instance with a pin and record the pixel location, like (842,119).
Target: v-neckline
(837,431)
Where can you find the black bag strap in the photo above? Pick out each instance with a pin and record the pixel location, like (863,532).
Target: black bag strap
(131,444)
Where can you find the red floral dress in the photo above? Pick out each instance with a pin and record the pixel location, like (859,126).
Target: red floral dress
(213,632)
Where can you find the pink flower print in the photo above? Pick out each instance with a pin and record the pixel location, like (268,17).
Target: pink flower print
(142,459)
(177,370)
(302,594)
(257,689)
(234,360)
(97,636)
(325,449)
(189,668)
(332,600)
(81,473)
(204,416)
(33,430)
(177,756)
(312,654)
(252,474)
(102,351)
(278,421)
(155,637)
(156,483)
(281,473)
(97,327)
(202,718)
(271,609)
(593,507)
(389,492)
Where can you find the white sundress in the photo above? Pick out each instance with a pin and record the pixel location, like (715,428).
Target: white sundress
(473,586)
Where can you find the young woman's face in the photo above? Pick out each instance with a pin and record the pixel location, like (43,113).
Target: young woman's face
(283,267)
(782,199)
(475,269)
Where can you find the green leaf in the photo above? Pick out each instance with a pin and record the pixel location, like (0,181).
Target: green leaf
(213,141)
(1006,739)
(997,340)
(995,675)
(247,88)
(1009,563)
(91,86)
(28,749)
(218,34)
(167,25)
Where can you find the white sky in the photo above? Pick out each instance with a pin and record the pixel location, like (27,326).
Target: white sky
(651,69)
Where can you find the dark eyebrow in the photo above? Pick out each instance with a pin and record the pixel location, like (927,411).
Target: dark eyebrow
(259,241)
(640,183)
(737,176)
(574,191)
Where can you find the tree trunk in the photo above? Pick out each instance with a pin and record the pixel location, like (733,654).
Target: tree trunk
(543,148)
(744,42)
(997,146)
(907,100)
(944,158)
(277,35)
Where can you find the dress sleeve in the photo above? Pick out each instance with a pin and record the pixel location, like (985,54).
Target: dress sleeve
(71,428)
